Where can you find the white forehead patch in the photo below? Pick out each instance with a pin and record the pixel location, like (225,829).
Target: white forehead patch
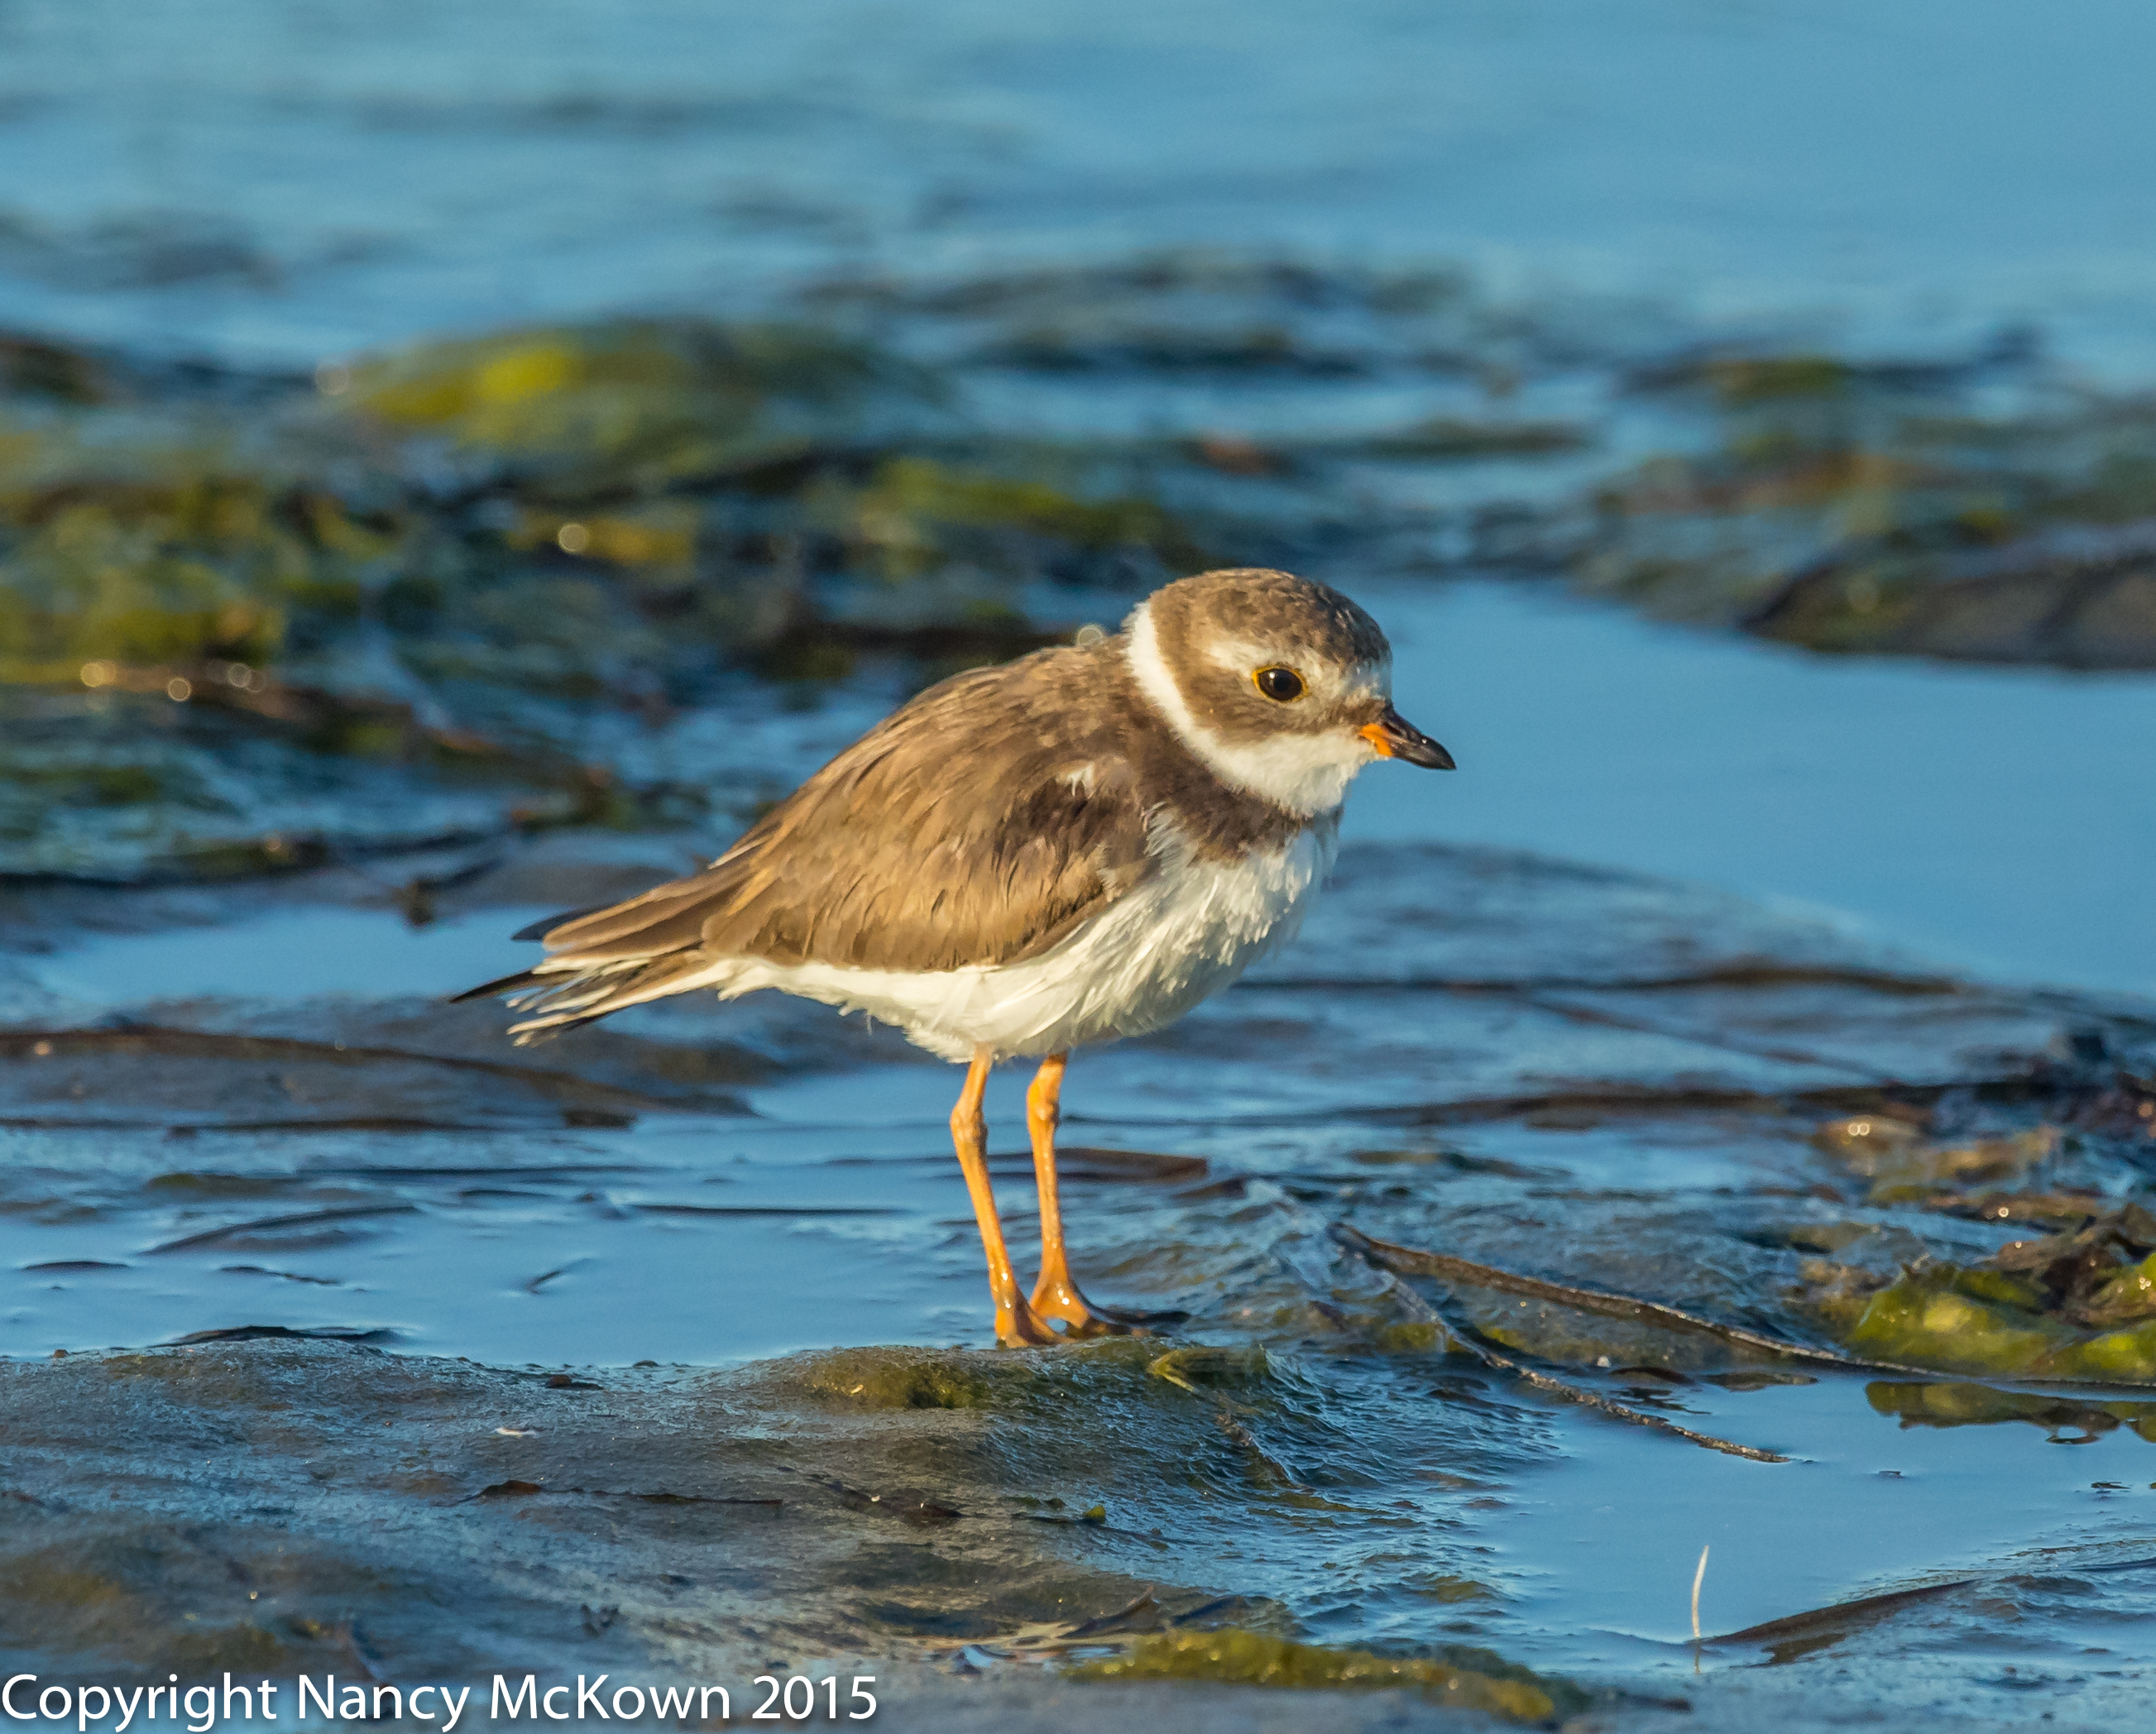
(1305,774)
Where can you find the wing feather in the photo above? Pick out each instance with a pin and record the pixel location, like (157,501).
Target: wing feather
(979,825)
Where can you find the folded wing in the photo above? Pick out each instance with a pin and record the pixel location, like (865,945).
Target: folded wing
(979,825)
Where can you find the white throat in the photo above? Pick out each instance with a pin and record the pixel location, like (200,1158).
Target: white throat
(1305,774)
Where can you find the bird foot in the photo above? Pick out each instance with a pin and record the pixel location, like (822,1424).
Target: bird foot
(1080,1317)
(1019,1326)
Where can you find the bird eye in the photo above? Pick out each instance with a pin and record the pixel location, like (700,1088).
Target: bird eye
(1281,685)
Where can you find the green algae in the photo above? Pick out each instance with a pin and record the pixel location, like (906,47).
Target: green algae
(1262,349)
(1929,1320)
(2130,1294)
(661,534)
(643,402)
(467,556)
(65,785)
(917,515)
(1410,1337)
(1980,1322)
(898,1379)
(111,1589)
(906,1378)
(179,574)
(1445,1586)
(456,558)
(1234,1656)
(1212,1367)
(178,538)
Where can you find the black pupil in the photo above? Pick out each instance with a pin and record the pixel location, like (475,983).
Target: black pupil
(1281,683)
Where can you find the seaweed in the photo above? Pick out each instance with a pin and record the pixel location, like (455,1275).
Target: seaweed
(455,563)
(638,403)
(1236,1656)
(2073,1306)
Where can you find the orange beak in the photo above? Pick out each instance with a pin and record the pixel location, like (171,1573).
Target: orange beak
(1395,737)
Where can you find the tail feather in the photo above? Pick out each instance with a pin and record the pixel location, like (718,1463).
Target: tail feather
(603,959)
(627,935)
(546,925)
(667,918)
(561,1001)
(506,984)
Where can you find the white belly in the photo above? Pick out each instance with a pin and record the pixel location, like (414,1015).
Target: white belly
(1187,930)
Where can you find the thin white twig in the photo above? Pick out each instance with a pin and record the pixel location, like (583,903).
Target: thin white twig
(1699,1577)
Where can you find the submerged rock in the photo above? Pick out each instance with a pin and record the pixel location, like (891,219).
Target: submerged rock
(718,1519)
(1873,510)
(2083,602)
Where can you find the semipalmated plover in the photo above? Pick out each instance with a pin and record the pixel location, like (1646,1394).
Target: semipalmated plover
(1075,846)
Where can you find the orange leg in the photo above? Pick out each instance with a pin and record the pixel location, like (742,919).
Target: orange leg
(1016,1322)
(1055,1296)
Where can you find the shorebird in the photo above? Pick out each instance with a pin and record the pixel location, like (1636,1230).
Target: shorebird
(1076,846)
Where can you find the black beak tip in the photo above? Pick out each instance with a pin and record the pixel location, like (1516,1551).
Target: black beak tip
(1399,738)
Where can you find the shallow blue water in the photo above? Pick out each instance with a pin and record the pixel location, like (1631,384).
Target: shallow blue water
(288,182)
(684,1237)
(1997,821)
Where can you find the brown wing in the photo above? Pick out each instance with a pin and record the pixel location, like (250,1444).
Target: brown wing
(979,825)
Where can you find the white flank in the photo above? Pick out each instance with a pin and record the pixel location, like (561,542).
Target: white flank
(1189,928)
(1305,774)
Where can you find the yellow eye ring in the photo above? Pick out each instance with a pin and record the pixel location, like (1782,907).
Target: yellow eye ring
(1283,686)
